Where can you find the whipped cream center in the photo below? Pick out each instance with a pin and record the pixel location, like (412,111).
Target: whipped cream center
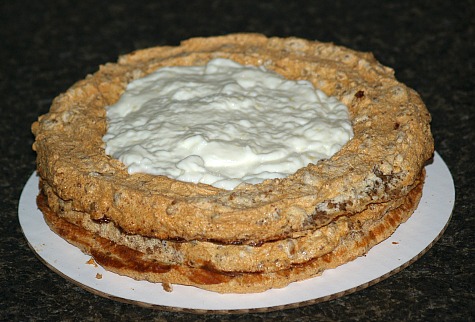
(223,124)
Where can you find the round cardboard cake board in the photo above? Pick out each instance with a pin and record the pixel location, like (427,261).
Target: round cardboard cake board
(408,243)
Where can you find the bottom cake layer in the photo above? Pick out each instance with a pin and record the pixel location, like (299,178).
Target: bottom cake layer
(138,265)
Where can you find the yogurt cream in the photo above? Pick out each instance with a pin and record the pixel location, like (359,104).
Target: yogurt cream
(223,124)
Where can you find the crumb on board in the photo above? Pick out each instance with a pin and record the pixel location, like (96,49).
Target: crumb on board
(91,261)
(99,276)
(167,287)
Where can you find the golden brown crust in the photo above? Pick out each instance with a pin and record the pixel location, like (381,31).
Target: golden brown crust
(126,261)
(254,237)
(391,143)
(266,257)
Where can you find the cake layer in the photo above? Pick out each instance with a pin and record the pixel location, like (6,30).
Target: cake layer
(391,143)
(133,263)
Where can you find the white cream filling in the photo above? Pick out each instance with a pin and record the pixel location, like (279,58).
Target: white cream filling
(223,124)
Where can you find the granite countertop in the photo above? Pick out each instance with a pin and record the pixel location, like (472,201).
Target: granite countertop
(46,46)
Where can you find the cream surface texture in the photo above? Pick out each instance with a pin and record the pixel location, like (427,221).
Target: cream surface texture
(223,124)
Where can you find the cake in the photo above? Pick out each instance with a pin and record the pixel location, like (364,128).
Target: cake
(255,236)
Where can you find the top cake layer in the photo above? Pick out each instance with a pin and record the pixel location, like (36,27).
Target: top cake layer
(391,143)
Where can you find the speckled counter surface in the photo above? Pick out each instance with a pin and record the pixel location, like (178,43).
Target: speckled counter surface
(46,46)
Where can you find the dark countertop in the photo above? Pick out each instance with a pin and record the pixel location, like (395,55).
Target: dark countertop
(45,48)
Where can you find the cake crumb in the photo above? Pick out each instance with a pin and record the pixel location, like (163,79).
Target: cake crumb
(167,287)
(92,262)
(99,276)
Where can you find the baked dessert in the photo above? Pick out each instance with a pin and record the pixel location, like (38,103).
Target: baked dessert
(255,236)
